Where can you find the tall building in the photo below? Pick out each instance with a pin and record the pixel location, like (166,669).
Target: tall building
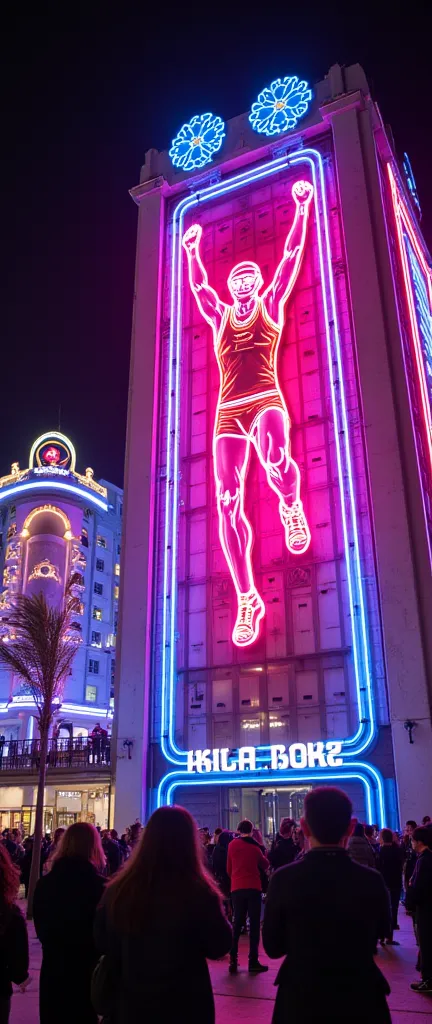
(276,604)
(58,526)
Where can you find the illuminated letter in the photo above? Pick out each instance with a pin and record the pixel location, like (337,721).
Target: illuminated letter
(300,750)
(332,750)
(316,755)
(251,406)
(216,760)
(247,758)
(199,760)
(225,767)
(279,759)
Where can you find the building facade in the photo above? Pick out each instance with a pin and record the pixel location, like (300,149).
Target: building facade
(60,526)
(276,566)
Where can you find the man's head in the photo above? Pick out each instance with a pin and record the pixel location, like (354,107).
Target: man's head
(386,837)
(286,826)
(409,827)
(327,816)
(245,827)
(426,820)
(422,838)
(245,281)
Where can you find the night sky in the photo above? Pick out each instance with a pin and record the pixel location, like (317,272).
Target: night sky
(83,95)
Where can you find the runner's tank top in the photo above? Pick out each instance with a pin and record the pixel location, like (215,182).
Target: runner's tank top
(246,354)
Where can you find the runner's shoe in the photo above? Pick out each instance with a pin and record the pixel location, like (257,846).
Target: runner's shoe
(250,612)
(297,532)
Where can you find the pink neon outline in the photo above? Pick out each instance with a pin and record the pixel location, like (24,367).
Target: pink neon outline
(302,193)
(402,216)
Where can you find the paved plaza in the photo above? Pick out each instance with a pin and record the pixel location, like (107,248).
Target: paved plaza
(251,999)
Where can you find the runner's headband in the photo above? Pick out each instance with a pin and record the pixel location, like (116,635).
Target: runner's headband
(248,267)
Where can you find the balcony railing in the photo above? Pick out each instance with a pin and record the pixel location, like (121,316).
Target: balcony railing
(82,752)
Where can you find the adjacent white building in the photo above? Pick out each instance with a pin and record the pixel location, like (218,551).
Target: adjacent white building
(56,525)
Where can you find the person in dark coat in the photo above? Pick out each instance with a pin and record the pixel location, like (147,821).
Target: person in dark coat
(389,863)
(324,913)
(283,850)
(14,952)
(160,919)
(421,895)
(64,907)
(219,863)
(113,853)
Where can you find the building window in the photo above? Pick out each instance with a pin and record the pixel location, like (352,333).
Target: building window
(111,640)
(91,694)
(12,531)
(117,569)
(98,588)
(101,542)
(84,537)
(116,593)
(118,549)
(94,666)
(97,614)
(100,564)
(96,639)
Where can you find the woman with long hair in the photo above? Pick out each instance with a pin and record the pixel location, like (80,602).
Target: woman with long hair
(14,953)
(159,920)
(65,902)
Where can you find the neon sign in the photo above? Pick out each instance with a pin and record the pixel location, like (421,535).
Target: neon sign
(197,142)
(353,746)
(298,755)
(251,408)
(280,106)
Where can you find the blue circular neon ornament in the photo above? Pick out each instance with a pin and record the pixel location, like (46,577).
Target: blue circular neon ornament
(197,142)
(280,106)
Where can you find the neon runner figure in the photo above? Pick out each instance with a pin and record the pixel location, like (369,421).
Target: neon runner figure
(251,407)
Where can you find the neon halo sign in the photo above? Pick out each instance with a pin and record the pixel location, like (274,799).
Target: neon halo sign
(297,755)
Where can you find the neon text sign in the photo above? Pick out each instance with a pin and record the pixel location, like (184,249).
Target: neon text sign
(297,755)
(251,409)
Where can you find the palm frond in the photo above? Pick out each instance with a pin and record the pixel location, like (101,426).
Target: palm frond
(40,647)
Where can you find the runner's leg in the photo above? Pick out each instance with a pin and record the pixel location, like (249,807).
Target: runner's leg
(231,460)
(271,438)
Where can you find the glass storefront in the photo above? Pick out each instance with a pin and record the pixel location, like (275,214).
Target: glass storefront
(265,807)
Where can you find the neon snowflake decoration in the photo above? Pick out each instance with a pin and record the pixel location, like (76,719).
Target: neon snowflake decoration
(279,107)
(197,142)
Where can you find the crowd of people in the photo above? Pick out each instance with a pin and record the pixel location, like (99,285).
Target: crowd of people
(129,922)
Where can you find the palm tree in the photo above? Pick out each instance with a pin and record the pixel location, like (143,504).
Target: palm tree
(40,647)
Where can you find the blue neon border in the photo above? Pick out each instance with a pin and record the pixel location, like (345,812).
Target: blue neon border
(51,485)
(352,746)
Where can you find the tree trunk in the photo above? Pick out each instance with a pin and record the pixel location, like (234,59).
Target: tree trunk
(37,841)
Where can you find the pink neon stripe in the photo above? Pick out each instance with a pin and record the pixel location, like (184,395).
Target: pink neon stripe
(401,214)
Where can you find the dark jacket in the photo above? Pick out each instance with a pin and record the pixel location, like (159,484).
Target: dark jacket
(14,952)
(64,907)
(283,851)
(421,884)
(389,863)
(160,971)
(360,850)
(324,914)
(219,863)
(114,855)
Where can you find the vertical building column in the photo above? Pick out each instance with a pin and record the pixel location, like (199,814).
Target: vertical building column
(132,682)
(376,333)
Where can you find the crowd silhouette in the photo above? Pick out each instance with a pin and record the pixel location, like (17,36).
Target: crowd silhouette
(127,923)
